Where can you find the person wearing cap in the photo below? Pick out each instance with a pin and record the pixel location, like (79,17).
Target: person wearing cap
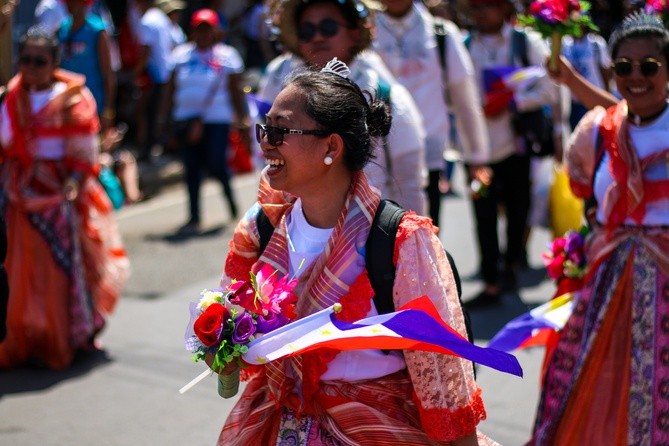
(174,10)
(206,86)
(313,32)
(406,40)
(493,44)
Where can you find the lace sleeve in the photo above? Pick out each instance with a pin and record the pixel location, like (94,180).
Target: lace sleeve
(580,155)
(449,400)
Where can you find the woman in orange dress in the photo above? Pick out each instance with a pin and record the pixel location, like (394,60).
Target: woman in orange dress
(607,382)
(65,259)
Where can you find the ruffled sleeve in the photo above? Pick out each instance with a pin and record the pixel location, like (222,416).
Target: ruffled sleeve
(448,398)
(580,155)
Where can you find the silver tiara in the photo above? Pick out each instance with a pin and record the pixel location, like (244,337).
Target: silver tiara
(643,20)
(337,67)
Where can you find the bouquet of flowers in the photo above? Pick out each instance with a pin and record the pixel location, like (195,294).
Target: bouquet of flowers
(556,18)
(659,8)
(566,262)
(224,321)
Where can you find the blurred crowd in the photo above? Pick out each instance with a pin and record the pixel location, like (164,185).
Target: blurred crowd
(190,80)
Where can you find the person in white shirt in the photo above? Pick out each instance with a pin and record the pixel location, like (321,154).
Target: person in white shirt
(493,44)
(406,40)
(154,36)
(589,56)
(314,34)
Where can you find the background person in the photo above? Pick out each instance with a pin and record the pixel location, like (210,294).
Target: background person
(406,40)
(314,32)
(610,360)
(321,205)
(65,259)
(206,85)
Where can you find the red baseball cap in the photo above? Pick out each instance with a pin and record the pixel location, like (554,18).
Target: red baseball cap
(207,16)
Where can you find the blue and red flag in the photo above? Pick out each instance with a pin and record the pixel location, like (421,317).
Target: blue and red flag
(415,326)
(535,327)
(502,82)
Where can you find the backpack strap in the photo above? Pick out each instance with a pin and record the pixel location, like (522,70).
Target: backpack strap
(440,34)
(519,47)
(265,229)
(379,251)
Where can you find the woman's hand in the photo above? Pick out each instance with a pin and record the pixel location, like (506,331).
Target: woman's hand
(565,72)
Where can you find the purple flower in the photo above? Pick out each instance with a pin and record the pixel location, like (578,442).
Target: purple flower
(244,328)
(574,242)
(272,321)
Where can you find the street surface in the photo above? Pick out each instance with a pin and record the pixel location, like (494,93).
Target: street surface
(127,394)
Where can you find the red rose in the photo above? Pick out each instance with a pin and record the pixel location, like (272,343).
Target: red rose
(244,295)
(209,325)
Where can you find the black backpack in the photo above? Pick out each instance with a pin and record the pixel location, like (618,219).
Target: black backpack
(379,250)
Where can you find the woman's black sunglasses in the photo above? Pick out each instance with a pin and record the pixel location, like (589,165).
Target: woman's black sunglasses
(37,61)
(327,27)
(649,66)
(275,134)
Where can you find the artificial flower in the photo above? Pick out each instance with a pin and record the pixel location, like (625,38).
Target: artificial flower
(244,329)
(209,325)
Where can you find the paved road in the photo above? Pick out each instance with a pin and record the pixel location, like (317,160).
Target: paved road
(127,393)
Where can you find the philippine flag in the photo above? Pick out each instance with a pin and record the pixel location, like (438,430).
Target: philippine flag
(501,83)
(535,327)
(415,326)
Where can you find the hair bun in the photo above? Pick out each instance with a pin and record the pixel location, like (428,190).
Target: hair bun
(379,118)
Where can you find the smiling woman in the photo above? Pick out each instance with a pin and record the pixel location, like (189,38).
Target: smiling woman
(605,382)
(321,209)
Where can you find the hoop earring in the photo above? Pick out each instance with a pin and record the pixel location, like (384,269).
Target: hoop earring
(327,160)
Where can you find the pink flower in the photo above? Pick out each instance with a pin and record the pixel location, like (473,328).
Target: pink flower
(555,268)
(656,6)
(276,294)
(557,247)
(550,11)
(244,295)
(574,5)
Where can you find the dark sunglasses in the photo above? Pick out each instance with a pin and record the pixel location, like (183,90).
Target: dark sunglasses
(37,61)
(649,66)
(275,134)
(327,27)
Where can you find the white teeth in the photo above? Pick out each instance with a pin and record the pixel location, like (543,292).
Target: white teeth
(274,162)
(637,90)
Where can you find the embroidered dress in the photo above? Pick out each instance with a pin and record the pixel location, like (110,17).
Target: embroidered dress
(608,379)
(65,260)
(432,401)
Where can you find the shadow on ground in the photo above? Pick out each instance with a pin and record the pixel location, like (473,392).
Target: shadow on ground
(35,378)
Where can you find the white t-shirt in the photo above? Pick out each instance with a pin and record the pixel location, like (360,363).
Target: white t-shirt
(48,148)
(647,140)
(306,243)
(197,75)
(155,32)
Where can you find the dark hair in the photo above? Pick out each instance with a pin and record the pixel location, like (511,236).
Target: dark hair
(36,33)
(339,106)
(640,25)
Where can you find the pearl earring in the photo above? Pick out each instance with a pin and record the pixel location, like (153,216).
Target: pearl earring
(327,160)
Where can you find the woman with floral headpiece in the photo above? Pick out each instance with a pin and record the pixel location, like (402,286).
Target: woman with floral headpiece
(607,381)
(317,140)
(65,260)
